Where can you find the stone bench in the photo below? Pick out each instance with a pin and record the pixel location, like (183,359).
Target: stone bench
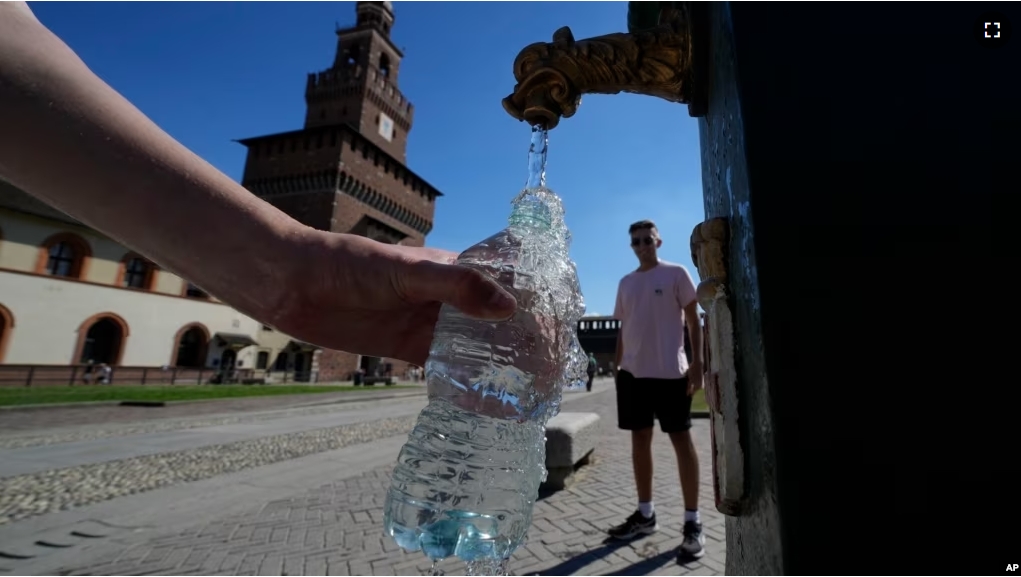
(570,440)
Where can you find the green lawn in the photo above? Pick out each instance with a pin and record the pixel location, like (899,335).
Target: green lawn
(698,402)
(10,396)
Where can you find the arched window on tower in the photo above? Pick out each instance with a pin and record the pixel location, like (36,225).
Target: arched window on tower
(384,65)
(351,55)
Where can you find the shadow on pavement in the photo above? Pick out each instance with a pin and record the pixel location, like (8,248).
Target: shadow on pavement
(576,563)
(546,492)
(649,565)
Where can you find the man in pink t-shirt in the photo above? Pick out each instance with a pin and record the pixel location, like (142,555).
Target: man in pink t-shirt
(655,304)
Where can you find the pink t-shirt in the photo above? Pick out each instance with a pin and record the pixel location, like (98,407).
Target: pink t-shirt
(650,308)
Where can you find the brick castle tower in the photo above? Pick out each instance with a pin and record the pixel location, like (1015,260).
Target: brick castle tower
(345,170)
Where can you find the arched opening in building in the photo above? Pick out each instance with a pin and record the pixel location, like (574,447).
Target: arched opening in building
(228,359)
(62,260)
(384,65)
(262,360)
(137,272)
(101,340)
(281,362)
(226,371)
(64,255)
(372,366)
(6,328)
(195,292)
(192,345)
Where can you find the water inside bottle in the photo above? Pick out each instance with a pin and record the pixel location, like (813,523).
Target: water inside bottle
(467,479)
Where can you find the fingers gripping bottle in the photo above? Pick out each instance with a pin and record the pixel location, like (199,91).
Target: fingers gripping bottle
(466,480)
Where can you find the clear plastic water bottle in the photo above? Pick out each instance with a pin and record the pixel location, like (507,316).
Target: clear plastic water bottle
(466,480)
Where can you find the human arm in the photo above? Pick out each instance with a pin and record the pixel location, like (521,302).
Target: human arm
(694,325)
(71,140)
(618,313)
(688,299)
(619,353)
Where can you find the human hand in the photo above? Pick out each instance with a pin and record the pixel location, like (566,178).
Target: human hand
(694,377)
(349,293)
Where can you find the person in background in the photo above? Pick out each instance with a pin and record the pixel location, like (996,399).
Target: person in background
(592,364)
(87,376)
(105,372)
(655,381)
(70,140)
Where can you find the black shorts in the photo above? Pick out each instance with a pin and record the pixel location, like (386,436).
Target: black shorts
(642,401)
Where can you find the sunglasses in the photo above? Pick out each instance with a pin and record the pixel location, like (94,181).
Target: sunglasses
(637,241)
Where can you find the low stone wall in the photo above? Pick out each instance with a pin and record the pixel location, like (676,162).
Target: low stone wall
(570,440)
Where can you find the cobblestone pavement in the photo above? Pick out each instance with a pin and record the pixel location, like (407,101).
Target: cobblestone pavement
(27,495)
(21,427)
(336,529)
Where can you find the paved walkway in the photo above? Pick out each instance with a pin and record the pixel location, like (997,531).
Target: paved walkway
(322,514)
(38,418)
(24,460)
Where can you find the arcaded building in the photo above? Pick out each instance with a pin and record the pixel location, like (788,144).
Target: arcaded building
(345,171)
(70,295)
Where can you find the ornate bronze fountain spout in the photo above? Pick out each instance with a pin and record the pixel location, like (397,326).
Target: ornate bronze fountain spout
(663,61)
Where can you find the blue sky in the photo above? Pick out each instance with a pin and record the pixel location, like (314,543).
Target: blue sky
(212,72)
